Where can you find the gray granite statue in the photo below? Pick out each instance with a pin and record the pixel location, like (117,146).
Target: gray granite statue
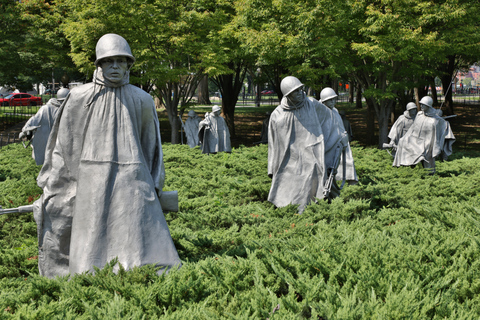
(346,125)
(213,133)
(429,137)
(191,129)
(329,98)
(37,129)
(103,175)
(305,143)
(401,126)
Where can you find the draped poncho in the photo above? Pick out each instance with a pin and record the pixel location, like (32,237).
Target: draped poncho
(302,141)
(191,130)
(430,136)
(350,172)
(216,136)
(101,178)
(400,127)
(42,123)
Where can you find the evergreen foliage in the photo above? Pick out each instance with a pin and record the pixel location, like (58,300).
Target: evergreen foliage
(399,245)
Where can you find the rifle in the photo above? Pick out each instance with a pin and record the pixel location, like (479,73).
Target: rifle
(21,209)
(168,201)
(340,151)
(389,146)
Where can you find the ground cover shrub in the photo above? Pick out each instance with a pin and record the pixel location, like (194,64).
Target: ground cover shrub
(401,244)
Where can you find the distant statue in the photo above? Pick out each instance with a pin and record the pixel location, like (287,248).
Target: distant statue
(346,125)
(401,126)
(305,143)
(103,175)
(213,133)
(191,129)
(37,129)
(329,98)
(264,133)
(429,137)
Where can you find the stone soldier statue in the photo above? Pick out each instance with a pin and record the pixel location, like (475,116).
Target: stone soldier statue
(213,133)
(346,125)
(191,129)
(37,129)
(401,126)
(103,175)
(304,147)
(329,98)
(429,137)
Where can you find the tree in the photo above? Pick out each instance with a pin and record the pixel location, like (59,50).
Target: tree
(166,36)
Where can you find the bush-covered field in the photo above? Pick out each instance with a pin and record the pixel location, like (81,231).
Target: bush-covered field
(399,245)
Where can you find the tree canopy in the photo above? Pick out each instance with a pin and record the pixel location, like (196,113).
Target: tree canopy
(391,48)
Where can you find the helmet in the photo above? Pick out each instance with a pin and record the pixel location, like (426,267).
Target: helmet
(427,101)
(110,45)
(62,94)
(191,113)
(215,108)
(327,94)
(290,84)
(411,105)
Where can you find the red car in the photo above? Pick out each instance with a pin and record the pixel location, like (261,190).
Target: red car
(20,99)
(267,92)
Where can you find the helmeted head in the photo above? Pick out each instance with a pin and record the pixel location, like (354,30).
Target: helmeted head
(216,110)
(426,103)
(290,84)
(113,45)
(412,109)
(191,113)
(411,105)
(62,94)
(327,94)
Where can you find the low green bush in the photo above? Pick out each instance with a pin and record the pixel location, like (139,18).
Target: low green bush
(400,244)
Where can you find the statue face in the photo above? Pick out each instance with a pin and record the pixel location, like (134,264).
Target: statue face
(295,96)
(330,103)
(412,112)
(114,68)
(424,107)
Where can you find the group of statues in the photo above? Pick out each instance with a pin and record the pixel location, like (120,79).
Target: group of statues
(420,137)
(211,134)
(103,172)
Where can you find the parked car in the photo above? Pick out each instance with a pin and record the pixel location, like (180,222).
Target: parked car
(20,99)
(267,92)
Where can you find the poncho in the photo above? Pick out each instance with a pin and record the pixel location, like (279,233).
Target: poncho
(302,143)
(216,136)
(102,172)
(191,131)
(400,127)
(41,123)
(429,137)
(350,172)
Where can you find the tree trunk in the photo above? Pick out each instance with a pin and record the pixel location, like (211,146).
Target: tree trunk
(446,78)
(370,122)
(203,94)
(382,112)
(358,99)
(230,86)
(434,91)
(351,91)
(170,96)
